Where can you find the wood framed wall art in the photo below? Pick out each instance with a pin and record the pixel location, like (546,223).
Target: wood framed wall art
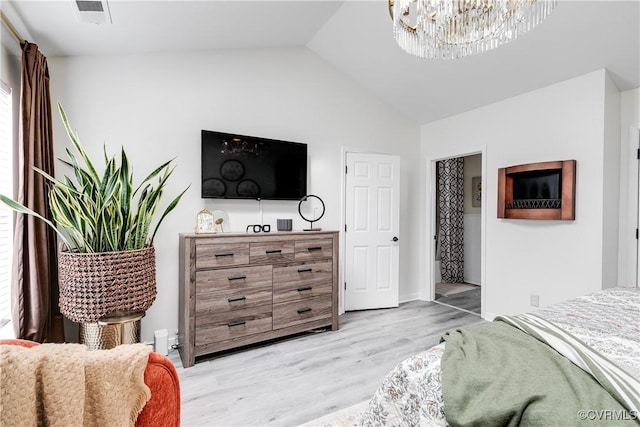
(544,190)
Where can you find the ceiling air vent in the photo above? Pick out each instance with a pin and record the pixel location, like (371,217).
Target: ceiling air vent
(90,6)
(93,11)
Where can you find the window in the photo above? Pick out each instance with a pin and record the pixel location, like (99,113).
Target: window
(6,215)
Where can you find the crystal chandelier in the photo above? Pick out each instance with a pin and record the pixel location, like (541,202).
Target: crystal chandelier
(448,29)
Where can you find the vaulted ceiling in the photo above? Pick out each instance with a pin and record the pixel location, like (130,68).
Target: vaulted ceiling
(356,37)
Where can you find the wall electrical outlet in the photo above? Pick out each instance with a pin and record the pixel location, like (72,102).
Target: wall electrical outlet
(535,300)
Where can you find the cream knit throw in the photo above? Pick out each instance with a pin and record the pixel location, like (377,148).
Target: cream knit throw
(67,385)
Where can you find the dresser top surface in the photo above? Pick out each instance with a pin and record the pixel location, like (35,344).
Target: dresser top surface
(258,235)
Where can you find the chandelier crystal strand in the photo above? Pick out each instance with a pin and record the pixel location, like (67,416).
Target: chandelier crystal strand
(449,29)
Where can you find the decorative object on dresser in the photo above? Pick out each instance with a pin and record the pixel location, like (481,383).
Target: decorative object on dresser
(545,190)
(204,222)
(221,221)
(257,228)
(238,289)
(314,209)
(284,224)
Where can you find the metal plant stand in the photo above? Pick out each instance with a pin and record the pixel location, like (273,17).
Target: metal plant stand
(111,330)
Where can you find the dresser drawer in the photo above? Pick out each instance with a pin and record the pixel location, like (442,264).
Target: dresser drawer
(271,252)
(233,279)
(313,249)
(226,326)
(301,311)
(227,300)
(221,255)
(302,280)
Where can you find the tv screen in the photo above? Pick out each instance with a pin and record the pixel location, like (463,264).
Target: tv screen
(248,167)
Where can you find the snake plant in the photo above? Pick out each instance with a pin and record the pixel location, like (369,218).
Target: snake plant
(102,212)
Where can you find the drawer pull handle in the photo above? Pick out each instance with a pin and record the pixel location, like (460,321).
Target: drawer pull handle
(237,278)
(232,324)
(305,270)
(274,251)
(235,299)
(304,310)
(314,248)
(306,288)
(224,255)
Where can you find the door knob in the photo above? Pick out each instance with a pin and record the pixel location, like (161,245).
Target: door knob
(395,239)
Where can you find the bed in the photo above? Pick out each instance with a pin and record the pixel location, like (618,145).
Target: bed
(585,350)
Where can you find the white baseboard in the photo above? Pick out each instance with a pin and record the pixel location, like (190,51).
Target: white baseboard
(409,297)
(489,316)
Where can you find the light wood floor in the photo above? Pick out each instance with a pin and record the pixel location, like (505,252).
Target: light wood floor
(296,380)
(467,300)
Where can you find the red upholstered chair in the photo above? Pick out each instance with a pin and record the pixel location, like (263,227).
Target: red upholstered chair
(163,409)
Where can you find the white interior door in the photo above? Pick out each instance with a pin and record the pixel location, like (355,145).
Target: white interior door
(372,223)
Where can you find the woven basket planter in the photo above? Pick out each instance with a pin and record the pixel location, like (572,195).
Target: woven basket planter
(93,285)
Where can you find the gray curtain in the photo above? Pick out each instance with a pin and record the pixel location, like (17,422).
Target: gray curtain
(451,219)
(35,311)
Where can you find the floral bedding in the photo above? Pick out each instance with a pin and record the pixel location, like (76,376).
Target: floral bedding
(608,321)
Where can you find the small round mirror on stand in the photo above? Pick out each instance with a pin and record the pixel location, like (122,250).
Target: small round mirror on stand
(313,208)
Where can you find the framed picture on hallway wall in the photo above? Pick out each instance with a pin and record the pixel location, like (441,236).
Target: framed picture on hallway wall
(476,191)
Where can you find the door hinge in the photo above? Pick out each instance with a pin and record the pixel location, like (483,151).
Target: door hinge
(345,286)
(638,154)
(637,233)
(345,228)
(347,167)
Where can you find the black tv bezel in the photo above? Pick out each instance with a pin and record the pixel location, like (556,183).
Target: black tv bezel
(261,140)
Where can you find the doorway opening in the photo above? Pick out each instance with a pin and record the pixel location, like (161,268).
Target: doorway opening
(457,264)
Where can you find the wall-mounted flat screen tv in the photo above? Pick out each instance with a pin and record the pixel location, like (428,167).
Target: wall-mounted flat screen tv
(248,167)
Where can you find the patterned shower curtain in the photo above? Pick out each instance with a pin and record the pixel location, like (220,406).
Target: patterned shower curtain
(451,218)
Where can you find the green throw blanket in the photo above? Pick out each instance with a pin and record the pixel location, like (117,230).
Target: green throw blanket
(496,375)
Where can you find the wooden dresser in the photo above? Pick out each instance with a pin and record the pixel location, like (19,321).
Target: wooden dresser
(239,289)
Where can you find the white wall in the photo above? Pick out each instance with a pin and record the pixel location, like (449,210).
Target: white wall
(472,222)
(611,194)
(553,259)
(472,247)
(155,106)
(630,141)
